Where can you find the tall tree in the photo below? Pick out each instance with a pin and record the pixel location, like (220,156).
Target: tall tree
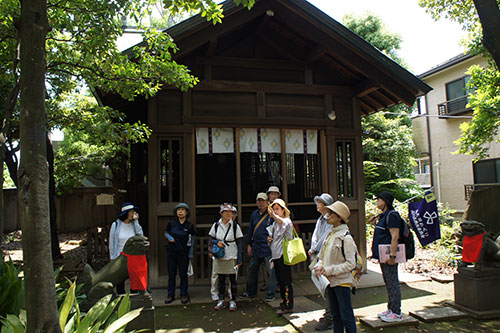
(388,145)
(81,45)
(33,202)
(481,18)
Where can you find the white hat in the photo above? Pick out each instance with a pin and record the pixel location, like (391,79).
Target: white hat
(274,189)
(262,196)
(282,204)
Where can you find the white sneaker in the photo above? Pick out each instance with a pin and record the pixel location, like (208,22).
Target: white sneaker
(220,305)
(385,313)
(392,318)
(215,297)
(232,306)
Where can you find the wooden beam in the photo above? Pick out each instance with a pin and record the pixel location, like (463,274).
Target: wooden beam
(388,100)
(315,53)
(253,63)
(372,101)
(364,88)
(271,87)
(367,107)
(212,44)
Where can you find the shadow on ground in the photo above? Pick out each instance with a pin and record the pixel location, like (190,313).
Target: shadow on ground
(249,314)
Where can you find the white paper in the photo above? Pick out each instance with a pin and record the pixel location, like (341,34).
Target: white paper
(190,271)
(321,283)
(384,251)
(270,230)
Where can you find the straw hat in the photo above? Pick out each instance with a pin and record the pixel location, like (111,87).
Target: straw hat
(341,209)
(282,204)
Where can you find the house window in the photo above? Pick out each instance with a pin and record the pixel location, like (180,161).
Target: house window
(456,97)
(487,171)
(170,170)
(345,163)
(420,107)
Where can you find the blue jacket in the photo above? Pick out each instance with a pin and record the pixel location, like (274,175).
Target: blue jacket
(183,234)
(258,241)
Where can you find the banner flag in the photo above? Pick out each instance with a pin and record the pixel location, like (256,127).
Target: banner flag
(424,219)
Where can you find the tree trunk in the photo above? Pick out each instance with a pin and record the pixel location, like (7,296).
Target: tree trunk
(54,240)
(33,201)
(489,15)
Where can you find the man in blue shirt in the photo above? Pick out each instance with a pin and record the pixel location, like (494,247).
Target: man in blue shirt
(258,250)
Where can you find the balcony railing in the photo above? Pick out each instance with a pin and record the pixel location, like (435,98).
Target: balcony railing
(453,106)
(469,188)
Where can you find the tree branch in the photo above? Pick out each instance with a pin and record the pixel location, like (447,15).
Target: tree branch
(489,16)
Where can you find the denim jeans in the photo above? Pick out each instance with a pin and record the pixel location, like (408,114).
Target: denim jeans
(253,276)
(341,308)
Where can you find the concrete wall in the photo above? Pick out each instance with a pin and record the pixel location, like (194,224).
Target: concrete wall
(75,212)
(450,171)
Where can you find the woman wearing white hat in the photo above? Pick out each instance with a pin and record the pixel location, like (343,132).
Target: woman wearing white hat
(226,234)
(337,259)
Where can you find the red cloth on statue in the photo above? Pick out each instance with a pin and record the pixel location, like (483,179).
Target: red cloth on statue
(137,266)
(472,247)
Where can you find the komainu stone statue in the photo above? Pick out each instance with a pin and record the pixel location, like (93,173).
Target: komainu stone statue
(479,247)
(97,285)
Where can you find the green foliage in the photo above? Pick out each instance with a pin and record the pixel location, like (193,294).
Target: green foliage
(11,289)
(7,180)
(485,101)
(96,139)
(106,315)
(388,142)
(374,31)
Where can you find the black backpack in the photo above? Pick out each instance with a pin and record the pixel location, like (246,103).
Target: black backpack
(407,236)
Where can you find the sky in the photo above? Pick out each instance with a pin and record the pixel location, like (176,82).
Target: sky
(426,43)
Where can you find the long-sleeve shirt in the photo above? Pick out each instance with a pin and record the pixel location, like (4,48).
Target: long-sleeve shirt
(118,237)
(319,235)
(258,239)
(280,231)
(183,234)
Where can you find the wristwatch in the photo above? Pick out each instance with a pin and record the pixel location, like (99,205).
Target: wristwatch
(392,257)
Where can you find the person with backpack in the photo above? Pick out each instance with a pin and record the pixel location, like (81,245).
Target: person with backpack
(226,251)
(336,261)
(180,235)
(387,231)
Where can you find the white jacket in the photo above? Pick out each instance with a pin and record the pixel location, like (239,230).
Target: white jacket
(337,268)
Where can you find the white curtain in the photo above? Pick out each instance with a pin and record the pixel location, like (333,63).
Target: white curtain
(251,138)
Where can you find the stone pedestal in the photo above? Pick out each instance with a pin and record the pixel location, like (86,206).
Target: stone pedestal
(478,290)
(146,319)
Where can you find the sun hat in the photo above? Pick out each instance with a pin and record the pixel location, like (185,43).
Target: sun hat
(181,205)
(341,209)
(387,196)
(126,207)
(324,198)
(262,196)
(273,189)
(282,204)
(226,206)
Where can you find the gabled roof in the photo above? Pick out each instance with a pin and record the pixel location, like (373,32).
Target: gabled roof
(309,35)
(447,64)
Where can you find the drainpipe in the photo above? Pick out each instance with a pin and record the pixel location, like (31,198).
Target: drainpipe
(438,181)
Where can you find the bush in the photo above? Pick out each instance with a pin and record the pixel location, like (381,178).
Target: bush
(11,289)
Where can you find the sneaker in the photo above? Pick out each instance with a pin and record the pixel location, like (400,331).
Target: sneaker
(232,306)
(169,299)
(392,318)
(246,295)
(270,298)
(185,299)
(219,305)
(385,313)
(324,324)
(215,298)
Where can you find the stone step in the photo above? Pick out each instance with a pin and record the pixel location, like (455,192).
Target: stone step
(443,313)
(375,322)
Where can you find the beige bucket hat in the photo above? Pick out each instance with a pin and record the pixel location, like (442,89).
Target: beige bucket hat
(341,209)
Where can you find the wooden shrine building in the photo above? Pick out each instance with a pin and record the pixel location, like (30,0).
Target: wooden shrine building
(282,90)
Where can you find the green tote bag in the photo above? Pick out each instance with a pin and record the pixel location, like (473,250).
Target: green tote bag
(293,250)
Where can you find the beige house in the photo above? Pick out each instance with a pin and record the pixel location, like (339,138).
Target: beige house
(436,125)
